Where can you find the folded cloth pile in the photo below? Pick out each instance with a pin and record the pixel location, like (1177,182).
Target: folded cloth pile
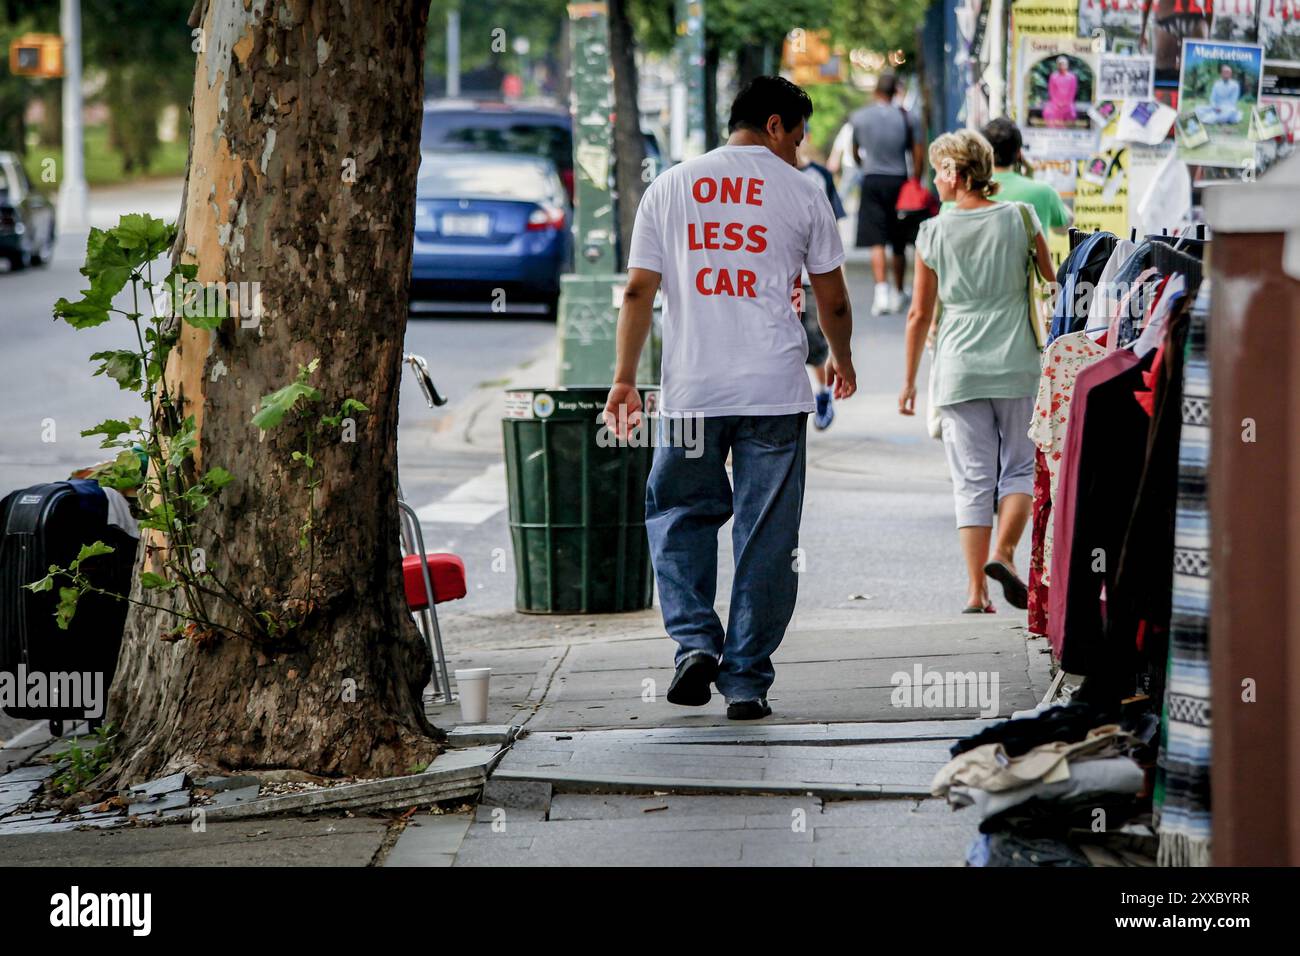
(1038,778)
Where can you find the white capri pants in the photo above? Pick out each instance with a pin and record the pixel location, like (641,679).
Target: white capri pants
(990,454)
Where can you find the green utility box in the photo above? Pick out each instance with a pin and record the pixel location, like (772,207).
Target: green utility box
(577,503)
(588,319)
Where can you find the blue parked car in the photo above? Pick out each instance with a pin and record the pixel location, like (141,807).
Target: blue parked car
(491,234)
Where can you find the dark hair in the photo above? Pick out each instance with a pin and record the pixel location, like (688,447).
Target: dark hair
(1004,136)
(765,95)
(886,85)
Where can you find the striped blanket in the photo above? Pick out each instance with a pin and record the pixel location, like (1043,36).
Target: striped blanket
(1182,798)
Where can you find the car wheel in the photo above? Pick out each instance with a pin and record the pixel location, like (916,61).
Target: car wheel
(553,308)
(18,262)
(43,255)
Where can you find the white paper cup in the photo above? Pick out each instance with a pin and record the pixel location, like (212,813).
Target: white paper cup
(472,685)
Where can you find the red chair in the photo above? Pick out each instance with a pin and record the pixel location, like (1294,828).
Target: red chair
(446,574)
(428,580)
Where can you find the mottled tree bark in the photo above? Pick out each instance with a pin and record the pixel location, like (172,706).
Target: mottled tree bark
(303,159)
(629,144)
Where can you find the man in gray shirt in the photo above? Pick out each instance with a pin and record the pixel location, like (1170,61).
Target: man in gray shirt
(883,135)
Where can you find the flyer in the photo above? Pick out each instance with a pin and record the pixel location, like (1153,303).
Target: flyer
(1145,121)
(1125,77)
(1057,89)
(1219,87)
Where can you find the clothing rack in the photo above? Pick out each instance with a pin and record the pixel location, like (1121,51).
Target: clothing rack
(1170,260)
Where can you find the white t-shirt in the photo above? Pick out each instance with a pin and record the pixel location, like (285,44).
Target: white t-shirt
(730,232)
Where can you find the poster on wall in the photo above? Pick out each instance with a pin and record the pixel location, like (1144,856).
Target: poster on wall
(1101,193)
(1121,77)
(1058,82)
(1040,19)
(1167,25)
(1218,88)
(1236,21)
(1279,29)
(1120,21)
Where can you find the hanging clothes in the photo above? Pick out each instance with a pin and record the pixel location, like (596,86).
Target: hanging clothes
(1063,360)
(1078,277)
(1138,605)
(1066,499)
(1182,799)
(1041,520)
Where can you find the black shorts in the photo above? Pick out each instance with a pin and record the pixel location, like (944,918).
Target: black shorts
(878,222)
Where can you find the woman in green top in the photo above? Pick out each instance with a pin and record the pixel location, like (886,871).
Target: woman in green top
(974,260)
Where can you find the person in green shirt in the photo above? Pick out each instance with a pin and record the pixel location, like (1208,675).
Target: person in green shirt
(1008,157)
(1004,136)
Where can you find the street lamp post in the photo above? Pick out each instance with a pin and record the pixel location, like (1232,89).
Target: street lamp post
(72,214)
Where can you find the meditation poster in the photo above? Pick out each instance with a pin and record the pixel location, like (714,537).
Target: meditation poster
(1058,89)
(1218,88)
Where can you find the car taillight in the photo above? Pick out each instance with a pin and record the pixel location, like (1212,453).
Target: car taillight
(8,218)
(566,175)
(545,217)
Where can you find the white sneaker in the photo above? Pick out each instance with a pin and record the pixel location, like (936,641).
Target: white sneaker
(880,304)
(895,300)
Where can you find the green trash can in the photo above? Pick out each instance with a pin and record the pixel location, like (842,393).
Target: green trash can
(577,504)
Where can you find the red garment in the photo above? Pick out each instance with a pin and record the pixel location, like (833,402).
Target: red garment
(1042,515)
(1063,506)
(1147,397)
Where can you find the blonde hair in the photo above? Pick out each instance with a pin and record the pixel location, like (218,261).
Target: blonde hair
(968,156)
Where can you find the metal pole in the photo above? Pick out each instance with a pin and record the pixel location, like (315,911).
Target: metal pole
(453,52)
(997,66)
(72,215)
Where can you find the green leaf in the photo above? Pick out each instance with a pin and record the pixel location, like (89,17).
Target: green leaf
(67,608)
(218,478)
(280,402)
(143,235)
(91,551)
(351,406)
(112,429)
(123,473)
(44,584)
(182,444)
(108,265)
(155,582)
(122,366)
(87,313)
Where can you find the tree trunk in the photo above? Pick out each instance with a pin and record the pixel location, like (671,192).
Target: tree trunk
(629,144)
(304,149)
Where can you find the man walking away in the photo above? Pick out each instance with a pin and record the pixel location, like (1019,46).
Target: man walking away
(726,236)
(883,136)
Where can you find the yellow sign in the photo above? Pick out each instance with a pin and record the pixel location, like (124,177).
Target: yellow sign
(37,54)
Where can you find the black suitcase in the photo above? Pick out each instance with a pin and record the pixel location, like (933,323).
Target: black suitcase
(44,525)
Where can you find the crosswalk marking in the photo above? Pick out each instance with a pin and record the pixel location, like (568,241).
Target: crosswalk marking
(472,502)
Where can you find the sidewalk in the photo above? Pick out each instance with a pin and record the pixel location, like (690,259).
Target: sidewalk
(603,771)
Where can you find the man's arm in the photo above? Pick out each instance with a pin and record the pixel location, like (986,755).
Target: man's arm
(835,315)
(623,407)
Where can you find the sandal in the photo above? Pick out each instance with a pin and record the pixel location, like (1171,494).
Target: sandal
(1013,588)
(975,609)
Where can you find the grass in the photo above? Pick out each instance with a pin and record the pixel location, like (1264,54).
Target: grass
(103,164)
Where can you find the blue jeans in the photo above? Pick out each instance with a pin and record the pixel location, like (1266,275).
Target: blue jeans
(688,500)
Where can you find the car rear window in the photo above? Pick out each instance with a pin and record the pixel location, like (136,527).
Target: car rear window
(455,176)
(532,134)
